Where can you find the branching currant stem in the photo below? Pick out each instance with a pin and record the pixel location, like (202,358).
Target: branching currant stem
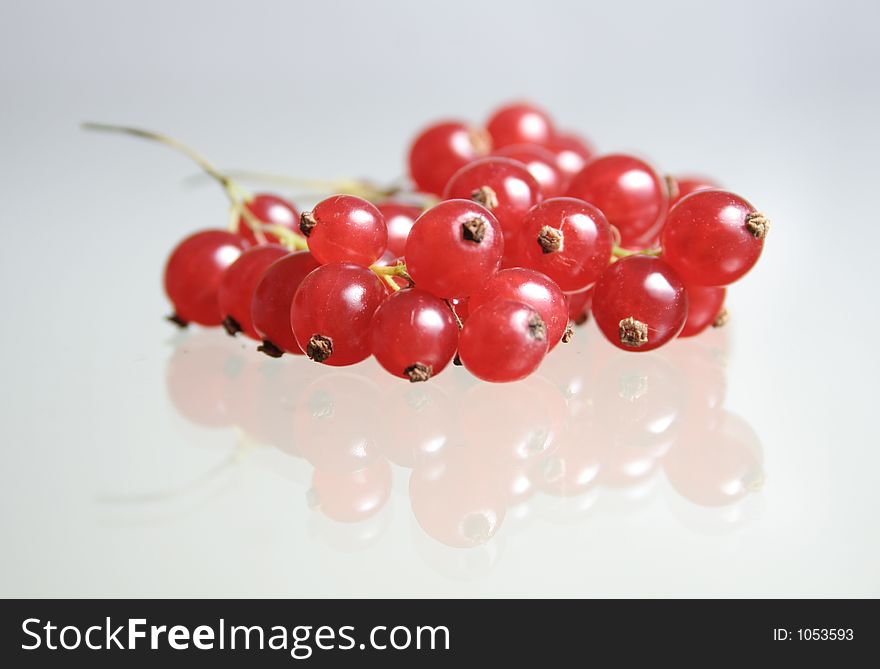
(620,252)
(238,196)
(388,272)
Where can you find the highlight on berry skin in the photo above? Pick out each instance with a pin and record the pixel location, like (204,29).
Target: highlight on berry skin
(501,239)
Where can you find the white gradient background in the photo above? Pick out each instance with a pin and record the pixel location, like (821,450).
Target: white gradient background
(778,100)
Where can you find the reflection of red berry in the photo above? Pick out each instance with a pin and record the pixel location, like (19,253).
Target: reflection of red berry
(349,497)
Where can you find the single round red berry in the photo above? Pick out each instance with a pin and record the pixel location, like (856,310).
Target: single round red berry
(629,193)
(683,186)
(414,334)
(193,273)
(712,237)
(236,292)
(441,150)
(345,228)
(639,303)
(503,341)
(271,210)
(571,152)
(453,247)
(569,240)
(331,313)
(705,305)
(520,123)
(541,164)
(270,308)
(399,218)
(533,289)
(503,186)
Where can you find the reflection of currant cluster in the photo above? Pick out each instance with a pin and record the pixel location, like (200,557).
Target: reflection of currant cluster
(480,456)
(510,233)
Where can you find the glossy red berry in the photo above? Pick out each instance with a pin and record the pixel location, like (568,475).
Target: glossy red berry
(541,164)
(504,186)
(683,186)
(520,123)
(345,228)
(713,237)
(503,341)
(533,289)
(639,303)
(571,152)
(629,193)
(193,273)
(399,218)
(441,150)
(453,247)
(236,292)
(569,240)
(332,310)
(414,334)
(270,308)
(705,305)
(271,210)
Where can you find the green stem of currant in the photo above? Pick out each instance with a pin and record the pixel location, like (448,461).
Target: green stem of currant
(238,196)
(388,272)
(620,252)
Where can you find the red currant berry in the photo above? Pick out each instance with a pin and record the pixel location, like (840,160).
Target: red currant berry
(503,186)
(712,237)
(705,305)
(453,247)
(541,164)
(236,292)
(639,303)
(399,218)
(414,334)
(533,289)
(579,305)
(331,313)
(503,341)
(271,210)
(520,124)
(193,273)
(682,186)
(571,153)
(270,308)
(629,193)
(441,150)
(345,228)
(568,240)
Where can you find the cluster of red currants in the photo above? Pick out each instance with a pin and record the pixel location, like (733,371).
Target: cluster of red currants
(517,230)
